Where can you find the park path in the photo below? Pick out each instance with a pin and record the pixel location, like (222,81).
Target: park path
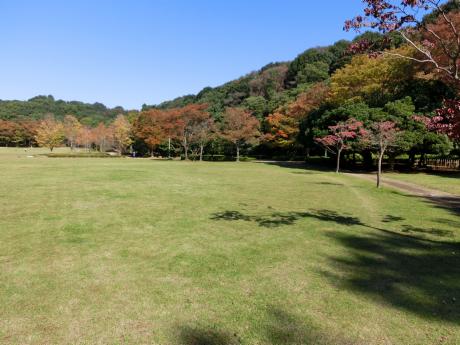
(448,201)
(437,197)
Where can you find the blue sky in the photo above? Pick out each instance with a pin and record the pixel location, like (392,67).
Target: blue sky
(128,53)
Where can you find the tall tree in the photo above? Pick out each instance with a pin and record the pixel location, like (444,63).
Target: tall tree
(49,133)
(149,126)
(382,135)
(121,131)
(85,137)
(188,121)
(239,126)
(102,136)
(72,128)
(205,131)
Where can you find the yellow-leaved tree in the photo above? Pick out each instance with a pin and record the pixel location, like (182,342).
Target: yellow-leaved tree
(49,133)
(372,79)
(121,132)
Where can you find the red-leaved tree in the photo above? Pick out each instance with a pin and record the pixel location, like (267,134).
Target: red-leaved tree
(446,121)
(436,41)
(188,122)
(239,126)
(340,136)
(149,127)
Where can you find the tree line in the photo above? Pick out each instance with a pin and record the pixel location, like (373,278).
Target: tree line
(391,91)
(191,127)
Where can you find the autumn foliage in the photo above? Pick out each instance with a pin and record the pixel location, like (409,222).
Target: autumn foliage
(49,133)
(239,127)
(340,137)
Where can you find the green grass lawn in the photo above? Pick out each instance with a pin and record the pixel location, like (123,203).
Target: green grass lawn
(447,181)
(134,251)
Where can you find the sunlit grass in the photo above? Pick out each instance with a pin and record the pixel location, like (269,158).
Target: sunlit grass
(132,251)
(447,181)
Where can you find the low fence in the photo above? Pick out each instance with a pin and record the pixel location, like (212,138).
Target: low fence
(443,163)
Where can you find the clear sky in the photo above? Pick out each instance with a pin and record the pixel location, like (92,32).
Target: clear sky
(130,52)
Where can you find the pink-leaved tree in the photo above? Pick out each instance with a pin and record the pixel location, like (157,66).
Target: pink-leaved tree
(340,137)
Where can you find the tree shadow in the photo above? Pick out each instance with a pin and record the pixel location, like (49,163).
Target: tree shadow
(278,327)
(285,328)
(329,184)
(406,228)
(277,219)
(449,203)
(420,276)
(449,222)
(402,268)
(202,336)
(390,219)
(307,167)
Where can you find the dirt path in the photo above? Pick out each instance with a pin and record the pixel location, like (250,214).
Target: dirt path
(441,199)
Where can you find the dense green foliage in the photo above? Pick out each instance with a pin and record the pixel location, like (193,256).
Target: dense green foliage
(38,107)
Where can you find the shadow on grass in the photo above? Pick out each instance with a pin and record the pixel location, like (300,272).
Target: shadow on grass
(432,231)
(285,328)
(417,274)
(307,168)
(329,184)
(277,219)
(278,328)
(202,336)
(449,203)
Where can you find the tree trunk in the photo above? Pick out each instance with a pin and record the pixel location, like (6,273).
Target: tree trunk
(51,148)
(201,152)
(185,149)
(169,148)
(325,153)
(338,161)
(151,152)
(237,153)
(379,169)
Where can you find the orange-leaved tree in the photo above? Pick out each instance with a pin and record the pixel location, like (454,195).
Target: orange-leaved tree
(188,121)
(283,125)
(240,127)
(102,136)
(150,127)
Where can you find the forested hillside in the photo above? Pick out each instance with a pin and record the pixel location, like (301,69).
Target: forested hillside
(40,106)
(400,81)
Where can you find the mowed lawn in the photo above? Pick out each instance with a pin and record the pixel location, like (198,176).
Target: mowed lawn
(446,182)
(134,251)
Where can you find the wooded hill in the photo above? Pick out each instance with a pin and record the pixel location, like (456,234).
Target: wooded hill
(38,107)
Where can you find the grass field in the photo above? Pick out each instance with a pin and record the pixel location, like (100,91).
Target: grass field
(447,182)
(133,251)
